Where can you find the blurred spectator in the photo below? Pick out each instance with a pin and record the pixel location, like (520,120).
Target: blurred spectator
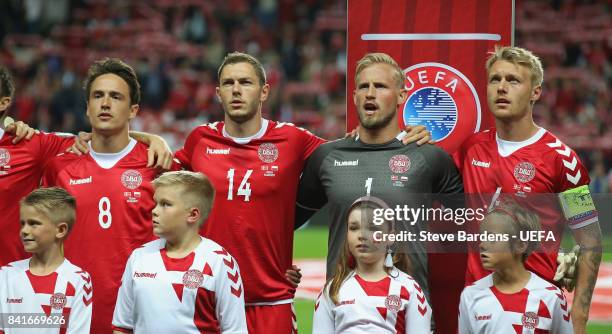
(599,179)
(176,46)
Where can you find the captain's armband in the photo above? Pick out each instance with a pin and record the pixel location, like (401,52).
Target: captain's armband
(578,207)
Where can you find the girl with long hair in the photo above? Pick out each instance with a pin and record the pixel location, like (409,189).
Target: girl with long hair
(370,291)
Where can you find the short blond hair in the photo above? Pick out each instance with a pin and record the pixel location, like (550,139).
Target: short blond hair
(518,56)
(55,203)
(522,220)
(380,58)
(197,190)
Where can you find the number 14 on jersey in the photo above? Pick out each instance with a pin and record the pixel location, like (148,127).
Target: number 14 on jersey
(243,190)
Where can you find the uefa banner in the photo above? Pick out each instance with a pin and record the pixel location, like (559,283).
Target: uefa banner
(442,46)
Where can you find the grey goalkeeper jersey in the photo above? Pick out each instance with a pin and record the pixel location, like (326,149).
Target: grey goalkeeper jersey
(339,172)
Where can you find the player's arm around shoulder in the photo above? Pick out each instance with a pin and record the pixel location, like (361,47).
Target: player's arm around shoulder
(80,314)
(229,306)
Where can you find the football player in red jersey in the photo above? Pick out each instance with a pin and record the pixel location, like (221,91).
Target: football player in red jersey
(21,165)
(22,162)
(522,158)
(112,185)
(254,165)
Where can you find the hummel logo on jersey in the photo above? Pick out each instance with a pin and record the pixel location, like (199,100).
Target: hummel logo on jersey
(14,300)
(81,181)
(217,150)
(346,163)
(347,302)
(480,163)
(147,275)
(482,317)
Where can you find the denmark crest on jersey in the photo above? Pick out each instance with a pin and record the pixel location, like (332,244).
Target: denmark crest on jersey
(442,99)
(193,278)
(131,179)
(58,301)
(267,152)
(524,172)
(530,320)
(399,164)
(5,157)
(393,303)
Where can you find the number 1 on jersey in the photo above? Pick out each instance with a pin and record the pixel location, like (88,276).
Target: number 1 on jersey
(368,186)
(243,190)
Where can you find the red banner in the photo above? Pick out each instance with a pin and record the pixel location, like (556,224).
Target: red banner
(442,46)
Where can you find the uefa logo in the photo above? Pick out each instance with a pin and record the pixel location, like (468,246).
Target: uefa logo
(443,100)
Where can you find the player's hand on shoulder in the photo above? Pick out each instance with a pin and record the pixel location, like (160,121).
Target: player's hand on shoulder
(20,129)
(294,275)
(80,146)
(418,134)
(159,153)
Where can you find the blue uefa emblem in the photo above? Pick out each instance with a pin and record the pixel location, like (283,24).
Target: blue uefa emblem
(443,100)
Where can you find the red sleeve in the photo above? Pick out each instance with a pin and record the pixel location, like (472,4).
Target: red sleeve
(458,157)
(570,171)
(460,153)
(311,142)
(183,156)
(53,144)
(49,177)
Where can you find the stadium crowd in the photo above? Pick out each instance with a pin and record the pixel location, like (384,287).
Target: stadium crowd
(176,46)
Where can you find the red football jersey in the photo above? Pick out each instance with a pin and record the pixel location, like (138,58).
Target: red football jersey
(21,166)
(256,182)
(114,205)
(540,165)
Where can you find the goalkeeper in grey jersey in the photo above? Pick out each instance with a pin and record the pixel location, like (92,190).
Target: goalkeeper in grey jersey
(375,163)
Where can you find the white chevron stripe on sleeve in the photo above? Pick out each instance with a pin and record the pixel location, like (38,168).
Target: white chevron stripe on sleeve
(573,179)
(557,143)
(570,165)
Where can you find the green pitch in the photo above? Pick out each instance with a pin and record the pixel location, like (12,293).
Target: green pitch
(311,243)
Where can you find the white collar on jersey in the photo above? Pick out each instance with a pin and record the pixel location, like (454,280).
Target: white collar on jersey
(246,140)
(1,133)
(505,147)
(109,160)
(399,136)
